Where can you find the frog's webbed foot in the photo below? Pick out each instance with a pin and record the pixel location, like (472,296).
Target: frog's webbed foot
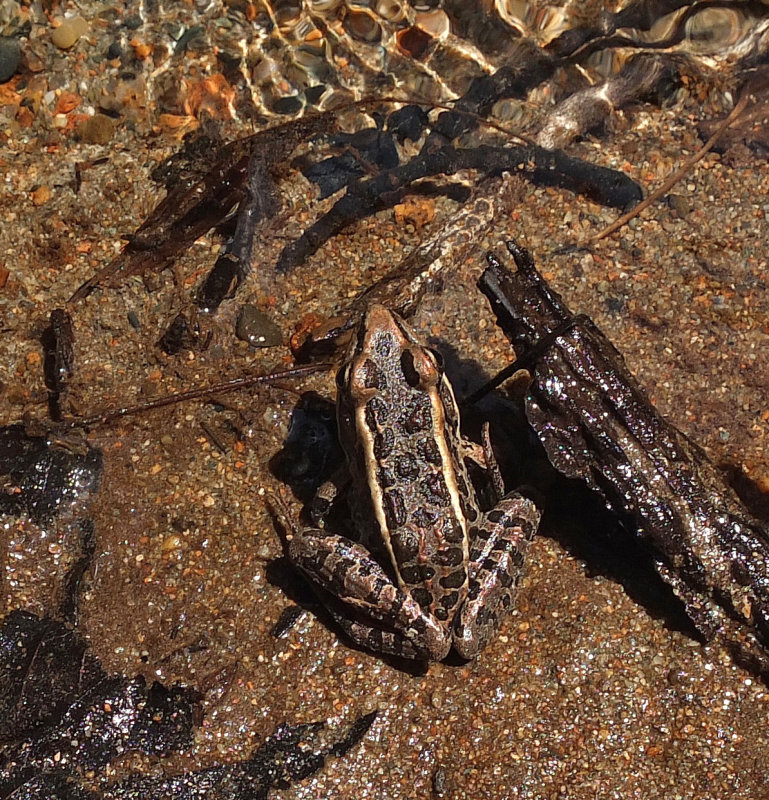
(496,564)
(362,598)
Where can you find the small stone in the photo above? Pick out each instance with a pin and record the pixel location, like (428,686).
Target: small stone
(10,56)
(680,204)
(362,26)
(34,60)
(417,211)
(97,129)
(41,195)
(172,542)
(287,105)
(70,30)
(256,328)
(115,50)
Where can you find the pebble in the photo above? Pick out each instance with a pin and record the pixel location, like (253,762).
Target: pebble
(287,105)
(115,50)
(41,195)
(70,30)
(172,542)
(97,129)
(10,56)
(256,328)
(680,204)
(417,211)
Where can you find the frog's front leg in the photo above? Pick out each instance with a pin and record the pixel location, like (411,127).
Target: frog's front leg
(384,618)
(327,495)
(498,544)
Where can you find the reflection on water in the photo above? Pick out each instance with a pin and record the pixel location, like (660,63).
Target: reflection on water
(325,52)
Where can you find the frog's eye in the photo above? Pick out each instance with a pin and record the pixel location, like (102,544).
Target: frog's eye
(419,368)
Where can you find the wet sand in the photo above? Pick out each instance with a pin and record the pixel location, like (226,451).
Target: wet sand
(585,693)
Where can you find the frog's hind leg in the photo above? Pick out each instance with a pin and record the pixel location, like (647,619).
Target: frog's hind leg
(364,600)
(379,640)
(497,550)
(483,456)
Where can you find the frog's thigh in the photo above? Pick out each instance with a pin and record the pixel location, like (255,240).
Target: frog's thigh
(497,554)
(393,622)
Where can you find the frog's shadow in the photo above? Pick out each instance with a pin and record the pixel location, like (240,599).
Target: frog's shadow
(573,515)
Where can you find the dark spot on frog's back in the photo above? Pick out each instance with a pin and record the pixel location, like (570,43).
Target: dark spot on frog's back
(405,545)
(505,578)
(429,451)
(422,596)
(417,415)
(452,531)
(448,601)
(436,488)
(376,413)
(410,574)
(384,443)
(454,579)
(386,476)
(481,532)
(373,377)
(424,517)
(384,344)
(395,508)
(406,467)
(450,557)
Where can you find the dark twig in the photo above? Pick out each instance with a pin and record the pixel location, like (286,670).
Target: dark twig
(367,196)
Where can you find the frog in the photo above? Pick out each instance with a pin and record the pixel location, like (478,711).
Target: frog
(428,570)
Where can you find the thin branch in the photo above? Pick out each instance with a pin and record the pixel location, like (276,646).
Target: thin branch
(111,414)
(673,179)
